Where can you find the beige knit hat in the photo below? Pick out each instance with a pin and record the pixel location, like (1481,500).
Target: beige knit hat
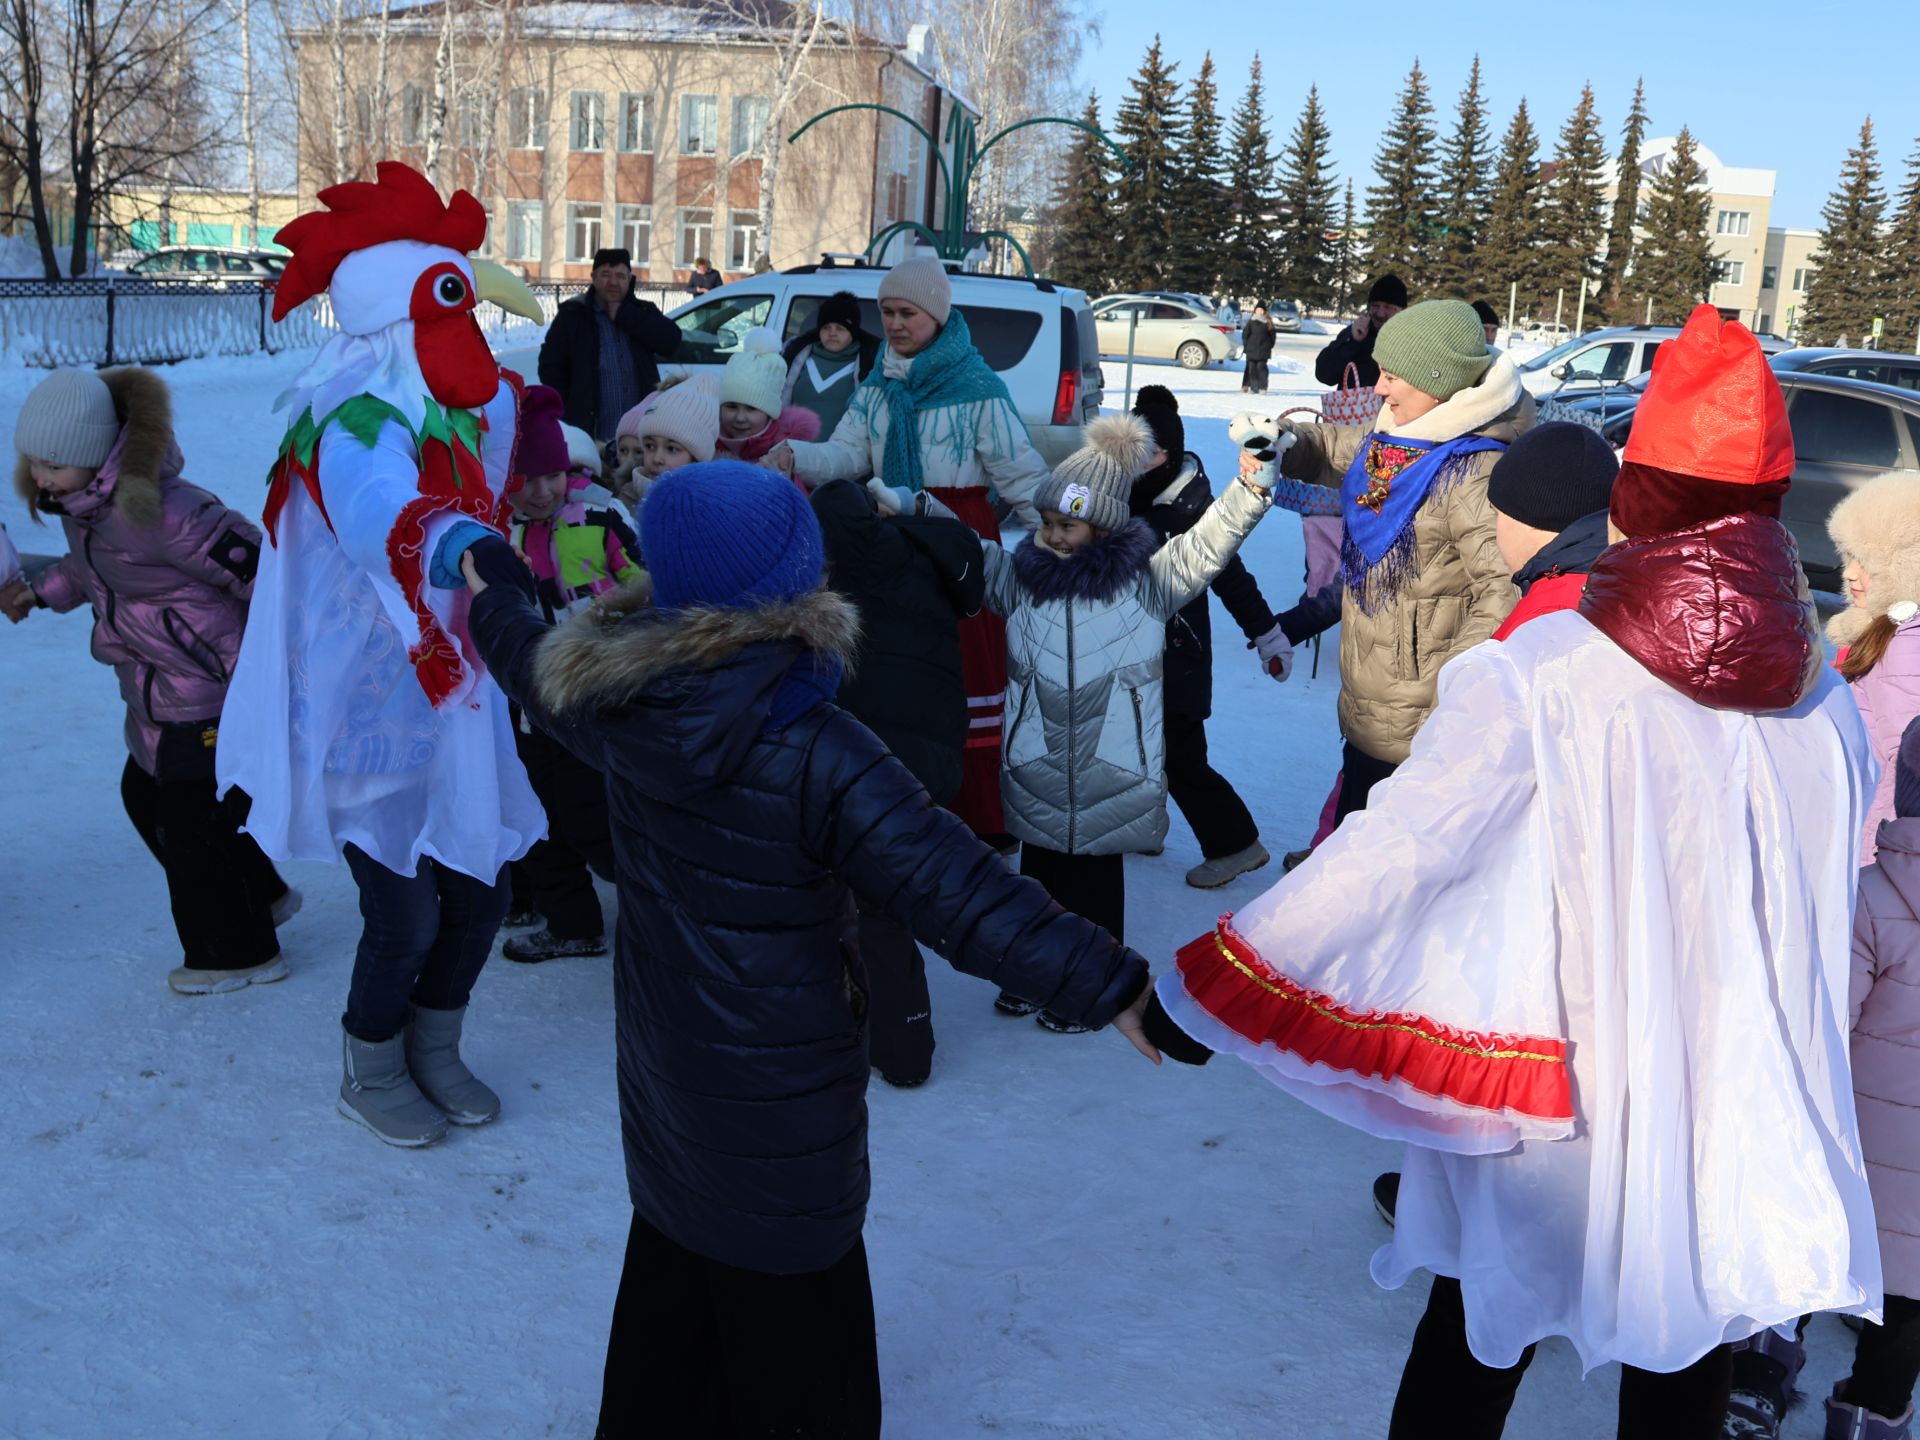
(1093,483)
(68,419)
(687,414)
(921,282)
(756,374)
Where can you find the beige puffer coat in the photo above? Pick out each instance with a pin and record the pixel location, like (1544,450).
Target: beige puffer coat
(1390,662)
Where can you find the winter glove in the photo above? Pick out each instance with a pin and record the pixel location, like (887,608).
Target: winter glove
(498,563)
(890,499)
(1168,1038)
(926,505)
(1276,652)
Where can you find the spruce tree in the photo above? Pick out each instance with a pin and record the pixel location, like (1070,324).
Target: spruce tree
(1400,207)
(1508,254)
(1842,293)
(1626,206)
(1346,258)
(1676,262)
(1082,242)
(1148,127)
(1305,268)
(1900,277)
(1196,218)
(1246,234)
(1464,164)
(1574,216)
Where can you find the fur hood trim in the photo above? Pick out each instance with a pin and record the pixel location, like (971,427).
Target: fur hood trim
(1878,528)
(141,457)
(1098,572)
(605,656)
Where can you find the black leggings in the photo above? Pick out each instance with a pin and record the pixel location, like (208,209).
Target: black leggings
(1446,1390)
(1886,1361)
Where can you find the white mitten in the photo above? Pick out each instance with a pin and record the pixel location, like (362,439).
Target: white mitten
(1276,653)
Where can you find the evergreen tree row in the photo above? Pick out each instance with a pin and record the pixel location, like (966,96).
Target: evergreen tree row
(1867,264)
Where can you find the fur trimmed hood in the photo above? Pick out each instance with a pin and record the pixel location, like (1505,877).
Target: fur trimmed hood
(141,458)
(606,656)
(1878,528)
(1097,572)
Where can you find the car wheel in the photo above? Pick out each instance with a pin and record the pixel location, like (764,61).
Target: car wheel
(1193,356)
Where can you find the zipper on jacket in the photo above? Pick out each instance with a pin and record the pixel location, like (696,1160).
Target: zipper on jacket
(1072,730)
(169,620)
(1139,728)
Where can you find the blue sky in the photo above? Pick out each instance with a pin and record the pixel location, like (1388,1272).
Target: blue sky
(1764,84)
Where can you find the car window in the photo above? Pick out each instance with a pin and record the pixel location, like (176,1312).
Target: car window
(237,264)
(1002,337)
(154,265)
(1603,362)
(1552,357)
(711,331)
(804,314)
(1089,344)
(1907,377)
(1913,434)
(1852,369)
(1842,429)
(1164,311)
(1647,351)
(200,262)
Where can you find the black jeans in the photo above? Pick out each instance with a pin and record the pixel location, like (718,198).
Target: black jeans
(1091,886)
(423,941)
(579,838)
(220,885)
(1886,1361)
(1445,1390)
(1255,378)
(899,1010)
(1359,773)
(703,1349)
(1220,819)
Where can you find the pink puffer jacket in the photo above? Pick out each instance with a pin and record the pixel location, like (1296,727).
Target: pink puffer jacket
(167,568)
(1885,1003)
(1889,698)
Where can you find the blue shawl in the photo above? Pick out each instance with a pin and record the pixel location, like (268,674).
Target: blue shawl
(1383,491)
(948,372)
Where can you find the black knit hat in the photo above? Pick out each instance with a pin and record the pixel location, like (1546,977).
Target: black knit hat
(1388,290)
(1486,313)
(1155,405)
(841,308)
(1553,475)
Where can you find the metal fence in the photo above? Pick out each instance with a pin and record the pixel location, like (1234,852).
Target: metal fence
(113,320)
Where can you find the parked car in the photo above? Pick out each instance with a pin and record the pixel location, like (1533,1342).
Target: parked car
(1039,337)
(1544,332)
(1284,315)
(1167,330)
(209,262)
(1881,366)
(1182,297)
(1601,358)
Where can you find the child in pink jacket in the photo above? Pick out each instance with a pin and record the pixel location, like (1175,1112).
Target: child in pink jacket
(752,420)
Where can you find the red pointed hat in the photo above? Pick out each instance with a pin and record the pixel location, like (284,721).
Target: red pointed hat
(1710,438)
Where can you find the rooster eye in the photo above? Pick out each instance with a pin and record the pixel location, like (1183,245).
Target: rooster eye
(451,290)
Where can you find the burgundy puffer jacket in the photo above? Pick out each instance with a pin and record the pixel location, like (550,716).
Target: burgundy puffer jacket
(167,568)
(1720,612)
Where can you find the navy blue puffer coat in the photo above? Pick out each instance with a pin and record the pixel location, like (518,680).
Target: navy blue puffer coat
(742,1054)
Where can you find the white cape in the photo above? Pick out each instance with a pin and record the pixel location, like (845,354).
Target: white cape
(1584,885)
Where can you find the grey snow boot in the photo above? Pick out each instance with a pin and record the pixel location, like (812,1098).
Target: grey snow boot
(377,1092)
(433,1055)
(1212,874)
(1850,1422)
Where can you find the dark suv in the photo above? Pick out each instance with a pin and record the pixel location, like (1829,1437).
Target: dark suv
(1883,367)
(1845,432)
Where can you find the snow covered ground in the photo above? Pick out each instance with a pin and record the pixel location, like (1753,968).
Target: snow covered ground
(1065,1241)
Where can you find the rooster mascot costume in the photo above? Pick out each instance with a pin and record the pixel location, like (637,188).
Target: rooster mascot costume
(1587,951)
(360,719)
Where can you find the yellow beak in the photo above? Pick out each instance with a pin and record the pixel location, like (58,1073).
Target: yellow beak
(505,289)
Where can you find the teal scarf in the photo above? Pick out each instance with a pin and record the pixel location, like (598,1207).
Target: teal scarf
(948,372)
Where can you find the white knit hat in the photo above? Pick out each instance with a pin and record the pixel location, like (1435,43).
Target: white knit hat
(68,419)
(921,282)
(756,374)
(687,414)
(582,453)
(1093,483)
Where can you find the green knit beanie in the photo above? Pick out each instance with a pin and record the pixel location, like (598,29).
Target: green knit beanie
(1438,346)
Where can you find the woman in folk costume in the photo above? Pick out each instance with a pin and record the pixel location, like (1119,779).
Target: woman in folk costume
(360,719)
(933,416)
(1587,951)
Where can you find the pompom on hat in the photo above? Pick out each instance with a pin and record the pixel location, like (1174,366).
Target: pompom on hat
(1093,483)
(542,445)
(1157,405)
(1710,438)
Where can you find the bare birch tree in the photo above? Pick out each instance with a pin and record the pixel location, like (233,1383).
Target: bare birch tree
(27,33)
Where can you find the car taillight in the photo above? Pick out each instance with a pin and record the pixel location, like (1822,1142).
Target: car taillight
(1067,398)
(1224,329)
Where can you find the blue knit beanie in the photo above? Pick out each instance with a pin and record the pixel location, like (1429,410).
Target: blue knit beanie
(730,534)
(1906,777)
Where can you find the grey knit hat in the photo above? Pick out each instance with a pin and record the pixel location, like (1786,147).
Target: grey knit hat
(922,282)
(1437,346)
(1093,483)
(68,419)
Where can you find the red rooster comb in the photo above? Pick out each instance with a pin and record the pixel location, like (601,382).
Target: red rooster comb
(400,205)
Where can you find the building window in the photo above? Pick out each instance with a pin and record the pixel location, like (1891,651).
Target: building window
(525,223)
(583,231)
(636,124)
(696,237)
(1769,277)
(363,115)
(589,120)
(699,124)
(635,223)
(1801,275)
(527,118)
(470,120)
(743,238)
(1729,272)
(1733,222)
(413,116)
(750,116)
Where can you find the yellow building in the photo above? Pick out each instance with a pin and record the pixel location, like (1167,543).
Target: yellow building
(146,219)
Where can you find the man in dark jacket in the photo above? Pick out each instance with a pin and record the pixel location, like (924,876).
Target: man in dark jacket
(746,806)
(913,578)
(1171,497)
(602,351)
(1256,343)
(1354,345)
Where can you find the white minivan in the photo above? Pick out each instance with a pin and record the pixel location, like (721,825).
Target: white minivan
(1036,335)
